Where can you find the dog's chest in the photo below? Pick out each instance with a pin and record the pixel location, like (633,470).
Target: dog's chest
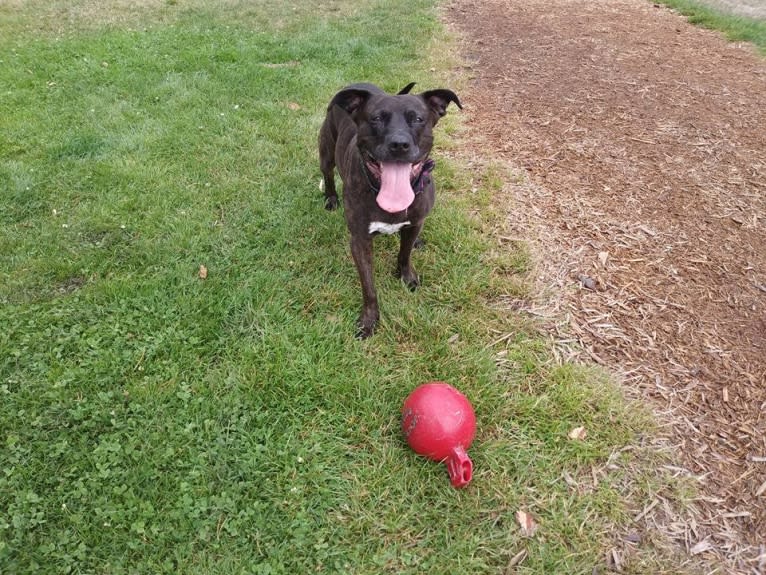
(386,228)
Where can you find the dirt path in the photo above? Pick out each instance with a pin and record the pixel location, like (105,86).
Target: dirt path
(643,141)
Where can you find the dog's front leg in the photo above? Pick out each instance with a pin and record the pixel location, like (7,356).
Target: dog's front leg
(327,166)
(361,251)
(327,141)
(404,270)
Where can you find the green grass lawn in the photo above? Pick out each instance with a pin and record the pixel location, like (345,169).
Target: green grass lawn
(735,28)
(155,422)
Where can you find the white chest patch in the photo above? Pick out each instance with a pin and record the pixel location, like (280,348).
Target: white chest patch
(388,229)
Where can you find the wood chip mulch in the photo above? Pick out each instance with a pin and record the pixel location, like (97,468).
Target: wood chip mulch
(642,144)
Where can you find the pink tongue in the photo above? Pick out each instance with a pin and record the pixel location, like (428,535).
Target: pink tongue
(395,193)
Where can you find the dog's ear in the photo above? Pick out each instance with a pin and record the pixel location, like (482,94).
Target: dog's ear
(406,89)
(438,100)
(350,99)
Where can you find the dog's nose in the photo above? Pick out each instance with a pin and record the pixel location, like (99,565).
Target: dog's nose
(399,145)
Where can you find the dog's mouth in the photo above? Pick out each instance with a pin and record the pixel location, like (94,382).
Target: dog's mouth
(395,178)
(376,168)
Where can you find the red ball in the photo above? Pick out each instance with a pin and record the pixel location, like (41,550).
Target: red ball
(439,423)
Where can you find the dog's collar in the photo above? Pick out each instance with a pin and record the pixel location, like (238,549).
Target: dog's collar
(418,182)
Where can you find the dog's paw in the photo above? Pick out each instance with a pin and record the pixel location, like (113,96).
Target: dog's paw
(412,283)
(365,325)
(419,243)
(409,277)
(363,332)
(331,203)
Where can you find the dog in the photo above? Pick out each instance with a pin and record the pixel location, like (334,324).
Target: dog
(380,144)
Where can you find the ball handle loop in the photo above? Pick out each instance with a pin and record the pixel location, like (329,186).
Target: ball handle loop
(459,467)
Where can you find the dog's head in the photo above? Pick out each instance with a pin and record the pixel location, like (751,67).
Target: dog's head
(394,134)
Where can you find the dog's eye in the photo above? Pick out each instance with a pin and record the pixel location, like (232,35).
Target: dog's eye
(381,118)
(414,118)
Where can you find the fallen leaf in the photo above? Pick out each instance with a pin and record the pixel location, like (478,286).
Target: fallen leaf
(701,547)
(613,562)
(603,257)
(587,282)
(293,106)
(578,433)
(202,272)
(453,338)
(569,480)
(761,490)
(527,523)
(518,558)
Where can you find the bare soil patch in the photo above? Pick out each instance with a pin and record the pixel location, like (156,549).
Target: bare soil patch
(643,141)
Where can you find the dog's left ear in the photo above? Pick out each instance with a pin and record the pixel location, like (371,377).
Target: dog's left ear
(438,100)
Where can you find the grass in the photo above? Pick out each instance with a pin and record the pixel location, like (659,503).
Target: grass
(735,28)
(156,422)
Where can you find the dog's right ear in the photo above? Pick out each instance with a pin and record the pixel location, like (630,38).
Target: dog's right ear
(350,99)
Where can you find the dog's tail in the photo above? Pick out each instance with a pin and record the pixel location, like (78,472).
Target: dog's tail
(406,89)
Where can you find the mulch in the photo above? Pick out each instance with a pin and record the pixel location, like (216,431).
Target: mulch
(641,141)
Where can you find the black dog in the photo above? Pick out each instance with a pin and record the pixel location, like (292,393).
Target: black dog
(380,144)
